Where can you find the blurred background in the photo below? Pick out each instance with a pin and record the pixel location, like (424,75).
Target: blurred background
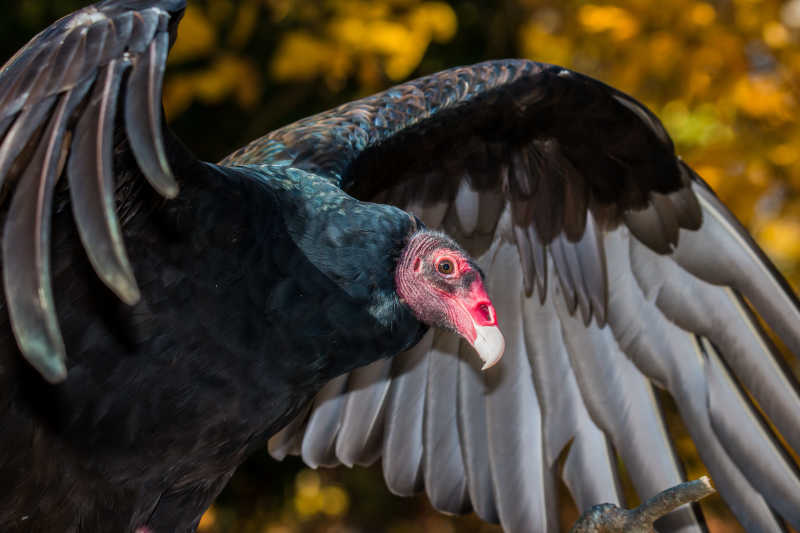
(723,75)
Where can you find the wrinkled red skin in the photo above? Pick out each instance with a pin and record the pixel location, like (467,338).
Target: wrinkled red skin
(456,301)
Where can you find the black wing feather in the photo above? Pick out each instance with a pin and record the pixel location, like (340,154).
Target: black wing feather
(26,250)
(16,140)
(92,188)
(143,116)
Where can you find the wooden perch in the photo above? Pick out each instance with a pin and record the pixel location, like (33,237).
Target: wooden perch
(608,518)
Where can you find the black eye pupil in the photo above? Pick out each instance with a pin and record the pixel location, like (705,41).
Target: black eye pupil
(445,267)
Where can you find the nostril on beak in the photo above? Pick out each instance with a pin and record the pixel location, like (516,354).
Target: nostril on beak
(485,312)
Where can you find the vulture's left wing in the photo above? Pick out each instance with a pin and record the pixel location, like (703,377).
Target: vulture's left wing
(614,270)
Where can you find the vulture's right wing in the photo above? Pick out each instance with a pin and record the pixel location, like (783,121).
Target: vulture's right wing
(613,270)
(59,102)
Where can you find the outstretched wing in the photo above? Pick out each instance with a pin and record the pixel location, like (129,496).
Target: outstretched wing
(615,272)
(61,97)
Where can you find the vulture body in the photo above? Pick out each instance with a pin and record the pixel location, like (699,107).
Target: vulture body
(163,317)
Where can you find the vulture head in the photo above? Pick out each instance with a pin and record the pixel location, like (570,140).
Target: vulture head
(445,288)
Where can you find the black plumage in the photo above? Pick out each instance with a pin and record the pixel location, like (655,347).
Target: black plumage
(164,317)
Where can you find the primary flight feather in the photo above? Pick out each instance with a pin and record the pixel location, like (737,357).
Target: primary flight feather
(164,317)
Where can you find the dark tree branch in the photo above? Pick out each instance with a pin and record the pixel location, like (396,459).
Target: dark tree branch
(608,518)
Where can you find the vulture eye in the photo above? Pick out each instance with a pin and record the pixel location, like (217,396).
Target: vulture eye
(445,266)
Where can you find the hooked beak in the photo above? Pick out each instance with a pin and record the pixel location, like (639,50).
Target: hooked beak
(480,327)
(490,345)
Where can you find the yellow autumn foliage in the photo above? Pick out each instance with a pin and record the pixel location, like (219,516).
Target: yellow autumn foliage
(198,36)
(227,76)
(357,35)
(618,22)
(781,239)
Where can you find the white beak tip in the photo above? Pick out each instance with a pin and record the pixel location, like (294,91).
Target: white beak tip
(490,345)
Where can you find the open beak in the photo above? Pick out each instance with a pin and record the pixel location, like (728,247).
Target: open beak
(484,334)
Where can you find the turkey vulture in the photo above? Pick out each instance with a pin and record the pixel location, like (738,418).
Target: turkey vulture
(164,317)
